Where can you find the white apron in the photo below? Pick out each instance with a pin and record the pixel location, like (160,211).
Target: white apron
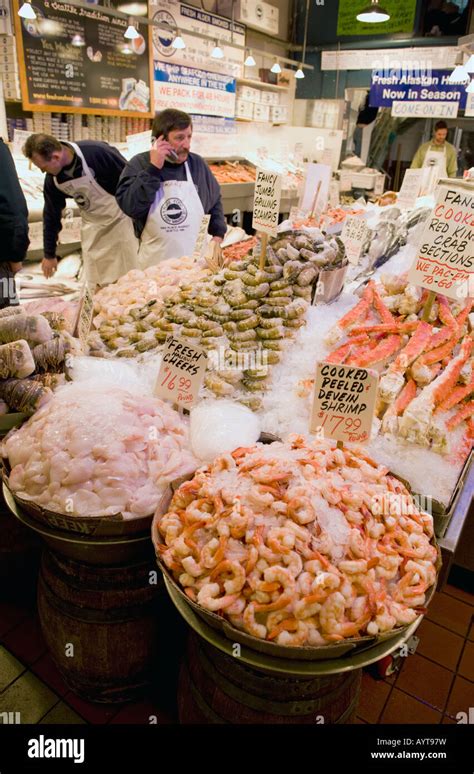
(109,244)
(437,159)
(173,222)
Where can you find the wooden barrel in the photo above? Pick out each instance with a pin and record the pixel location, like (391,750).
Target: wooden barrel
(20,551)
(101,625)
(217,688)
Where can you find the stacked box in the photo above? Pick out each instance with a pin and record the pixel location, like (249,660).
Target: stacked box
(261,113)
(244,109)
(279,114)
(270,98)
(248,94)
(9,71)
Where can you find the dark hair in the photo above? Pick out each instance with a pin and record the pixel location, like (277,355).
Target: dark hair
(440,125)
(168,121)
(42,144)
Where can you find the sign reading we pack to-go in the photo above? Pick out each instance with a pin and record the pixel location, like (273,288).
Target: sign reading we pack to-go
(445,256)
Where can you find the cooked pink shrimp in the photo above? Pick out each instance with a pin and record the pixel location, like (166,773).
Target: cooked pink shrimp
(250,623)
(209,598)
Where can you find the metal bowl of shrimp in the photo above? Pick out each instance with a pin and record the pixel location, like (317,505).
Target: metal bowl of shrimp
(298,549)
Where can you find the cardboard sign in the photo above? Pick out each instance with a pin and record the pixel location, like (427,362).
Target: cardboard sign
(353,235)
(445,256)
(343,402)
(411,187)
(86,315)
(181,372)
(345,180)
(266,203)
(334,200)
(201,237)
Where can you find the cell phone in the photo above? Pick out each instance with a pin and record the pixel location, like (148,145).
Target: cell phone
(171,154)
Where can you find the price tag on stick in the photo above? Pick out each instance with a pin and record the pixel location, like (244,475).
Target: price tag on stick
(353,235)
(201,238)
(85,315)
(343,402)
(181,372)
(266,207)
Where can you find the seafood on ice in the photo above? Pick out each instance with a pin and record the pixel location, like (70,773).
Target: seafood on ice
(426,367)
(299,543)
(96,451)
(125,310)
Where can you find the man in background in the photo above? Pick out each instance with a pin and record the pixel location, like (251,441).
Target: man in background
(437,152)
(88,172)
(14,239)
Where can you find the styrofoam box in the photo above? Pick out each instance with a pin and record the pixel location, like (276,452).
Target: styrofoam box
(244,109)
(279,113)
(248,93)
(364,179)
(270,98)
(261,113)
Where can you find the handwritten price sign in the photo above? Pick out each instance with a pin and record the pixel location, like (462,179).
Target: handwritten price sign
(354,235)
(343,402)
(86,314)
(181,372)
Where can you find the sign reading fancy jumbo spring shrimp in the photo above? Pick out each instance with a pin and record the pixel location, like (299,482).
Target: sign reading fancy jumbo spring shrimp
(266,203)
(445,256)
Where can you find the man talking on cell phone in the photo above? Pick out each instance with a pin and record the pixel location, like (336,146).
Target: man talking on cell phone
(167,191)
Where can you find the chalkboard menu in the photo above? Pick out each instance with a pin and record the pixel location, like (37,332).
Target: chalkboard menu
(76,60)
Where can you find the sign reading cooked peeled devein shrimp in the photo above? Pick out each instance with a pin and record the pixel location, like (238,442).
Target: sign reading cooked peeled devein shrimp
(343,402)
(445,257)
(353,235)
(266,203)
(181,373)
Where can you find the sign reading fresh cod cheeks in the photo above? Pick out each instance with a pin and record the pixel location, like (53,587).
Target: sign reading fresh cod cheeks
(343,402)
(181,372)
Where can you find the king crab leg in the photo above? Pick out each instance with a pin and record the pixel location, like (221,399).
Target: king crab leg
(384,349)
(354,315)
(457,395)
(393,380)
(389,421)
(466,411)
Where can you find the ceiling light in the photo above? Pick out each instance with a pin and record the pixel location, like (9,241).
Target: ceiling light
(217,52)
(78,41)
(373,14)
(470,88)
(131,32)
(133,9)
(299,73)
(470,64)
(250,61)
(27,11)
(126,49)
(178,42)
(459,75)
(275,67)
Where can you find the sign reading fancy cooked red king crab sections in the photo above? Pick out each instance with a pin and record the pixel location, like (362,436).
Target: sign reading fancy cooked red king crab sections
(181,372)
(343,402)
(445,256)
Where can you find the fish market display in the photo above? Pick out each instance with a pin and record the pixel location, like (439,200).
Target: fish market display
(118,307)
(93,452)
(300,543)
(233,172)
(239,249)
(427,374)
(61,315)
(389,235)
(33,346)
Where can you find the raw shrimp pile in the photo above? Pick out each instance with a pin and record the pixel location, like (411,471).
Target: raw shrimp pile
(300,543)
(125,311)
(98,452)
(427,379)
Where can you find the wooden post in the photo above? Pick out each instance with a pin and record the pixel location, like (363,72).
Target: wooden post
(340,444)
(315,200)
(263,251)
(428,306)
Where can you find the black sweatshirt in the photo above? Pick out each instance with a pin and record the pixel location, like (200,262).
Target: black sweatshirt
(106,164)
(141,180)
(14,239)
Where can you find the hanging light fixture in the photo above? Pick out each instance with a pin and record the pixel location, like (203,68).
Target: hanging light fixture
(275,68)
(250,61)
(178,41)
(78,41)
(131,32)
(126,49)
(27,11)
(217,52)
(299,73)
(373,14)
(459,75)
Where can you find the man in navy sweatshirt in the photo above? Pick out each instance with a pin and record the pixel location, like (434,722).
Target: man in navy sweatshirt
(14,239)
(168,190)
(88,172)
